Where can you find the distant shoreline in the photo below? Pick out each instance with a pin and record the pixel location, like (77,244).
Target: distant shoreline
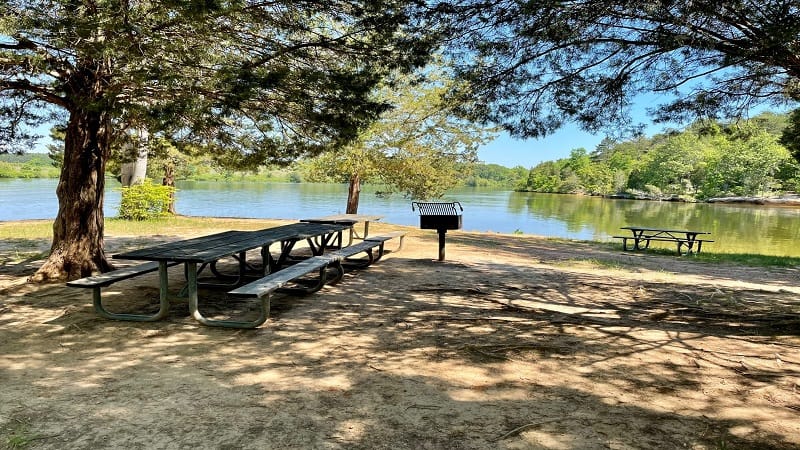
(784,200)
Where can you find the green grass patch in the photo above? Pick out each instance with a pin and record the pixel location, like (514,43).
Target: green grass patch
(21,437)
(26,229)
(745,259)
(172,225)
(43,229)
(592,262)
(748,259)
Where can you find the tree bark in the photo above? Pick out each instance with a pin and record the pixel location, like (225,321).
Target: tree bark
(135,170)
(353,193)
(169,180)
(77,249)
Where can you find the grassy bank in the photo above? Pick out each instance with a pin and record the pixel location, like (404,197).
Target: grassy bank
(43,229)
(745,259)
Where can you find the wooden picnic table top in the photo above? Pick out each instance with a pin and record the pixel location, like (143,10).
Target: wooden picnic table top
(663,230)
(213,247)
(335,218)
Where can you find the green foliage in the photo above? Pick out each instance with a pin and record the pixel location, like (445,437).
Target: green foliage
(545,177)
(419,147)
(534,66)
(496,176)
(56,149)
(247,82)
(790,137)
(144,201)
(746,167)
(29,165)
(670,165)
(20,438)
(707,159)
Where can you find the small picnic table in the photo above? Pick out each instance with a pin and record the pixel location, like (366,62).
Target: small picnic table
(350,219)
(642,236)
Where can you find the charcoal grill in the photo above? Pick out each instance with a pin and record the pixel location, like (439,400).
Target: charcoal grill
(439,216)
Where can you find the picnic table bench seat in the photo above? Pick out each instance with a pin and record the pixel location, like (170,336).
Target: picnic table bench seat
(263,288)
(277,280)
(97,282)
(367,246)
(390,235)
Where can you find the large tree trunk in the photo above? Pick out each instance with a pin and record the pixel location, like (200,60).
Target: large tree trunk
(77,249)
(353,193)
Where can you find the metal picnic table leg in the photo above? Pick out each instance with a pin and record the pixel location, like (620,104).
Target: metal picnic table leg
(353,232)
(690,237)
(163,309)
(237,279)
(191,269)
(286,249)
(318,244)
(637,237)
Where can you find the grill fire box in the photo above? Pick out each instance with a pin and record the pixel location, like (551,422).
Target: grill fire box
(439,216)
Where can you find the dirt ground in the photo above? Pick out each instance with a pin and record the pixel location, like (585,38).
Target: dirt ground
(514,342)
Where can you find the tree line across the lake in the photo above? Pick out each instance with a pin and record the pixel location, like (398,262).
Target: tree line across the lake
(705,160)
(41,165)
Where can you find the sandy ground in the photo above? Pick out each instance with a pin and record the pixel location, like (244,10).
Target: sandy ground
(514,342)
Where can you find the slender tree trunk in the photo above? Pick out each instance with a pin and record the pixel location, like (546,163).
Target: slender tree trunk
(135,170)
(353,193)
(169,180)
(77,249)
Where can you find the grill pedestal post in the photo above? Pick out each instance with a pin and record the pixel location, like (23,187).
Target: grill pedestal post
(442,232)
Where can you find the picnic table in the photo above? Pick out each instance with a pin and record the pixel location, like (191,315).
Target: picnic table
(207,250)
(687,241)
(350,219)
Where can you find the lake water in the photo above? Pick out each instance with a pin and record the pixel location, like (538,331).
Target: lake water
(735,228)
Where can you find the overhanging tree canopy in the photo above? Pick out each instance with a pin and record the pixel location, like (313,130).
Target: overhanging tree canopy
(533,65)
(250,81)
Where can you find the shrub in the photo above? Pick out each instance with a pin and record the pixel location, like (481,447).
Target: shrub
(145,201)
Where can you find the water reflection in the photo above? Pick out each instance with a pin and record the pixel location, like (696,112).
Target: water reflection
(735,228)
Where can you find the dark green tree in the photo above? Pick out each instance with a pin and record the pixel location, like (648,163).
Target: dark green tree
(791,134)
(534,65)
(249,81)
(55,149)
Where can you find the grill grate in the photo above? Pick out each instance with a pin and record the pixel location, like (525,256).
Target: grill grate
(437,208)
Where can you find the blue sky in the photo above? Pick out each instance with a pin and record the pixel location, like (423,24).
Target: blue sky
(511,152)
